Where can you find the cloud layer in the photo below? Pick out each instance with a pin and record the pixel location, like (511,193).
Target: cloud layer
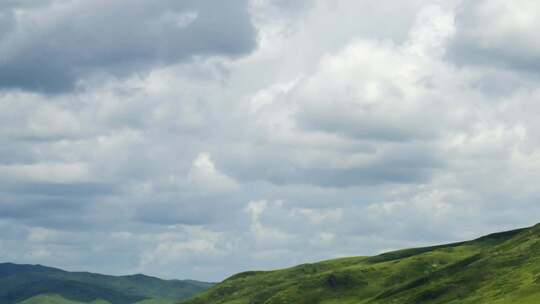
(49,48)
(197,139)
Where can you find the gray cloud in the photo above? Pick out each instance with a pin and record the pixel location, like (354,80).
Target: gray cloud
(344,120)
(396,163)
(84,190)
(50,48)
(496,33)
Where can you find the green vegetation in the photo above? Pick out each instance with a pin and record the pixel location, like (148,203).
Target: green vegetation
(502,268)
(39,284)
(48,299)
(56,299)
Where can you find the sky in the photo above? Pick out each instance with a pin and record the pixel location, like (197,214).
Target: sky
(197,139)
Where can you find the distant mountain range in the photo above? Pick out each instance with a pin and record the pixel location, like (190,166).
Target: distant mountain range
(501,268)
(36,284)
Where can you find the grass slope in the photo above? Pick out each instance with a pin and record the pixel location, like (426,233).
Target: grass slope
(21,282)
(501,268)
(56,299)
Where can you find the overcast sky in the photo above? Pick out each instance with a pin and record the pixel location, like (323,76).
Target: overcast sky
(197,138)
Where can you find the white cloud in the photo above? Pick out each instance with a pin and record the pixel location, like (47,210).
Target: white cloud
(40,235)
(204,175)
(264,234)
(318,216)
(47,172)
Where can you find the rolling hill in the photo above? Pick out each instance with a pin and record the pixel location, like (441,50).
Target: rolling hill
(40,284)
(501,268)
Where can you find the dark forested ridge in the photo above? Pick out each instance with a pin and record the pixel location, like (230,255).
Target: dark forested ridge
(20,283)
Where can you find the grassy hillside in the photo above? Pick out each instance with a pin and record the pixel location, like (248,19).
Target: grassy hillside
(56,299)
(19,283)
(502,268)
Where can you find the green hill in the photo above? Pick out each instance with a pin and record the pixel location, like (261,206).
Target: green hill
(502,268)
(55,299)
(39,284)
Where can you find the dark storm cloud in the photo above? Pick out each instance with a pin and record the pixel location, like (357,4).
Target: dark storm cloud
(50,48)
